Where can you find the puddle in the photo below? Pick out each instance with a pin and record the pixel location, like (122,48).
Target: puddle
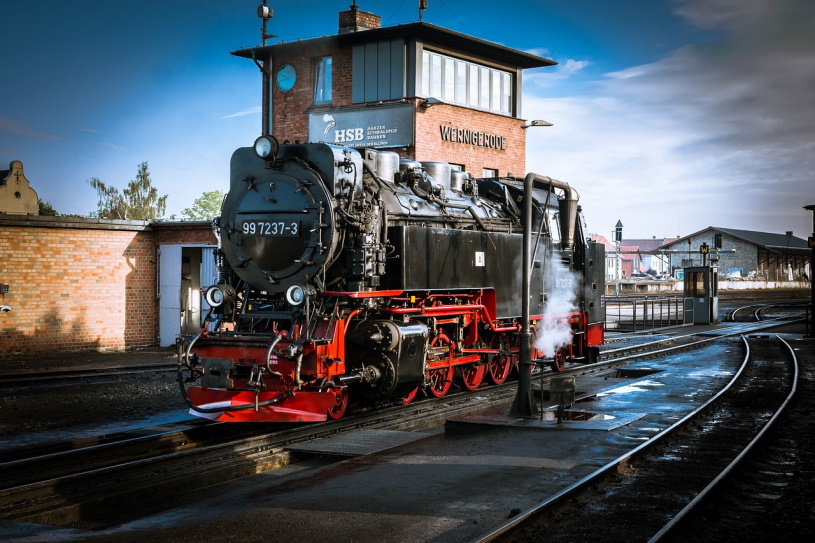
(639,386)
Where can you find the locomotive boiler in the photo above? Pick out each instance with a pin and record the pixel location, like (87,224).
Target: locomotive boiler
(348,275)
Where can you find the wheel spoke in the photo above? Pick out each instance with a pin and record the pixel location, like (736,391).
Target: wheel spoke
(338,410)
(559,361)
(499,368)
(440,381)
(500,365)
(472,375)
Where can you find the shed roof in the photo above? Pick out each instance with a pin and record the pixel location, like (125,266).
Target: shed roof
(779,243)
(647,244)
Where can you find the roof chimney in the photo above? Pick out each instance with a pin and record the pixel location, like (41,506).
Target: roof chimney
(355,20)
(789,233)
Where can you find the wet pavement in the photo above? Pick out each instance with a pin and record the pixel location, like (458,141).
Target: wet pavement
(440,486)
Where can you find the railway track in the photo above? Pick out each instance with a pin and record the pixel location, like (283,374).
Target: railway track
(662,482)
(60,485)
(64,376)
(101,480)
(756,312)
(47,378)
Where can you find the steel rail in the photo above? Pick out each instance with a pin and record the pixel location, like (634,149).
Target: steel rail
(679,517)
(621,460)
(49,376)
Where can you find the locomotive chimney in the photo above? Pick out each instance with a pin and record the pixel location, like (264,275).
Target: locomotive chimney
(568,219)
(355,20)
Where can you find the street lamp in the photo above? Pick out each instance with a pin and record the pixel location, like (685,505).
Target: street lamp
(536,122)
(618,237)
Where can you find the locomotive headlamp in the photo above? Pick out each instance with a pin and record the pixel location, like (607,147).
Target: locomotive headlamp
(219,295)
(297,294)
(266,147)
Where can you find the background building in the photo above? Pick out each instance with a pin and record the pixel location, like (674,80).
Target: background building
(747,254)
(428,93)
(16,194)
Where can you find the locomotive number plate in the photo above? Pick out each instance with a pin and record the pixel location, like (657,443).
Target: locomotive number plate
(271,228)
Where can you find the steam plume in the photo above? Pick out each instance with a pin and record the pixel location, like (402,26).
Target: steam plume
(554,330)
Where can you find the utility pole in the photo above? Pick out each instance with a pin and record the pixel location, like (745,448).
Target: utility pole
(811,324)
(618,237)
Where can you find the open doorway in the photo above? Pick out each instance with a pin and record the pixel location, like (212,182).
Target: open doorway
(190,290)
(183,270)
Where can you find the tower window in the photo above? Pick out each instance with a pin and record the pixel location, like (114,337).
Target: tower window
(322,80)
(466,83)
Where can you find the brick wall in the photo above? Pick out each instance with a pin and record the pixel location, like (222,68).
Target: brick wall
(184,233)
(290,109)
(431,146)
(354,20)
(83,284)
(77,288)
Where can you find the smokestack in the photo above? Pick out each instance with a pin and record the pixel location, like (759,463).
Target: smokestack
(355,20)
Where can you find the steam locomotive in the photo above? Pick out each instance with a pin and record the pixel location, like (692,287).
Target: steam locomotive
(350,274)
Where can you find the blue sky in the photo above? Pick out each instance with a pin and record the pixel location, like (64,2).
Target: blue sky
(668,115)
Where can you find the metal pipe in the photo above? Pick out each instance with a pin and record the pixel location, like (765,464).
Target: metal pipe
(425,196)
(524,403)
(567,223)
(269,355)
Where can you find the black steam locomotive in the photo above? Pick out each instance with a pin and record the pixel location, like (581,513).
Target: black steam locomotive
(348,274)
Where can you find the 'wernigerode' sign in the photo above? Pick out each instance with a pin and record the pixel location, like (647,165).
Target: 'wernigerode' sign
(473,137)
(372,126)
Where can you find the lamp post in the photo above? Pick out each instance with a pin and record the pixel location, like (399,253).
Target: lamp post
(618,237)
(524,403)
(811,327)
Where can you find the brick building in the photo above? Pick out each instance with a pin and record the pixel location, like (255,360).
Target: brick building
(428,93)
(94,284)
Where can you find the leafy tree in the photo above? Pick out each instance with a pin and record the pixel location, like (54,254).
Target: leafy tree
(206,207)
(138,202)
(46,208)
(111,204)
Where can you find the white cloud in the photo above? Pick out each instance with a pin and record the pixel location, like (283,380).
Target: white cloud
(572,66)
(539,51)
(19,128)
(548,77)
(248,111)
(713,134)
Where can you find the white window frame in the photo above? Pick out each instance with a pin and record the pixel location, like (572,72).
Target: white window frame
(466,83)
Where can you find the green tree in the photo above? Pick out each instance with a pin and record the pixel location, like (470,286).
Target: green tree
(138,202)
(46,208)
(206,207)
